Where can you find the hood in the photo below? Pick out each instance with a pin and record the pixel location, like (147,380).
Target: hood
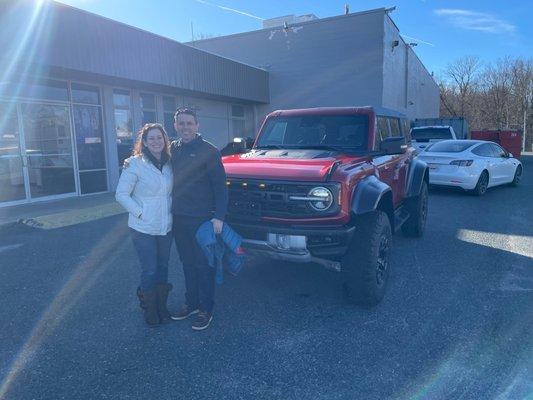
(293,164)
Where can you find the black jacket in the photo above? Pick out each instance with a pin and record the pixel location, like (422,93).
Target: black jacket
(199,180)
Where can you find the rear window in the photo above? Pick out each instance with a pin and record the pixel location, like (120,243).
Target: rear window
(449,147)
(421,134)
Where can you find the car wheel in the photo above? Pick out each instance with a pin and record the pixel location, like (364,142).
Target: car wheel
(482,184)
(418,211)
(517,176)
(365,266)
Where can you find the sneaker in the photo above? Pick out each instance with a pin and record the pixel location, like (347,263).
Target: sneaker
(202,321)
(184,312)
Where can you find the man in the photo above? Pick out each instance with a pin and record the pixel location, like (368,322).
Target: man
(199,194)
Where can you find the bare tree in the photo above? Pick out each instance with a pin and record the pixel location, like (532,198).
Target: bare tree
(498,95)
(463,74)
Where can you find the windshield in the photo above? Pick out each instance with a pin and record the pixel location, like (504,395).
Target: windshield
(449,147)
(343,132)
(425,134)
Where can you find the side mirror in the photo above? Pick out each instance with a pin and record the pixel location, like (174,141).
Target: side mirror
(393,145)
(236,146)
(511,155)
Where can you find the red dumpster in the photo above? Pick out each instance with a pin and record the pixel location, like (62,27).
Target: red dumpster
(510,140)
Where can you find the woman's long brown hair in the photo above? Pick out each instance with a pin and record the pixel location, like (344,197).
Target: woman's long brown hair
(140,148)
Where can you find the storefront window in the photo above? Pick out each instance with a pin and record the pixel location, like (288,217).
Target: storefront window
(123,124)
(85,94)
(169,108)
(49,149)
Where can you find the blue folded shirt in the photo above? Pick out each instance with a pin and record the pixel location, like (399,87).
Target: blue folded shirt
(222,251)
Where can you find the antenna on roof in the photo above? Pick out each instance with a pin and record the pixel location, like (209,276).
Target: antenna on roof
(346,9)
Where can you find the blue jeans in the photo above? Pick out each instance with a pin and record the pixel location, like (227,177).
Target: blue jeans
(153,252)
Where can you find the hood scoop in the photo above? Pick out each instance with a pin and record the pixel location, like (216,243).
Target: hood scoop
(303,154)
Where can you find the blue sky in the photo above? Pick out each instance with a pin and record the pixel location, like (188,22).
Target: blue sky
(489,29)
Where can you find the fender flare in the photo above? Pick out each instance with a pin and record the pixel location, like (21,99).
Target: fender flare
(418,173)
(367,195)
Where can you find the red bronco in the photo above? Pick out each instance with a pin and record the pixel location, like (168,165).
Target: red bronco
(330,185)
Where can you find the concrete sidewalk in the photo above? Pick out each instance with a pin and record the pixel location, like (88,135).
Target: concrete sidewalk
(58,213)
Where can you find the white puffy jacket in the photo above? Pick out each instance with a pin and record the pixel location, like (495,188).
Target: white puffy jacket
(145,192)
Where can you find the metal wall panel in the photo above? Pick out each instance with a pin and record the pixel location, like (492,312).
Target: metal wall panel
(329,62)
(64,37)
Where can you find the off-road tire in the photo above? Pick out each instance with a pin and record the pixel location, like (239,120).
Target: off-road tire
(365,266)
(517,176)
(418,212)
(482,184)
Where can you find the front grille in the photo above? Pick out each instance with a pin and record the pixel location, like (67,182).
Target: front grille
(253,199)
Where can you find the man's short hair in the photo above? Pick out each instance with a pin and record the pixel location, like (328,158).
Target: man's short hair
(187,111)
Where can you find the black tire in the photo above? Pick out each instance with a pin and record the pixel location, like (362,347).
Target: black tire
(517,176)
(365,266)
(482,184)
(418,212)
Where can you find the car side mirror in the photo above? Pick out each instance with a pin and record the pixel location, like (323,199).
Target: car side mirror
(236,146)
(510,155)
(393,145)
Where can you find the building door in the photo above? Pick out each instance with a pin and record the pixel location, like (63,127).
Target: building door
(35,152)
(12,170)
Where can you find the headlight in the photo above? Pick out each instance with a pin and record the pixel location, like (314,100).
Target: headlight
(320,198)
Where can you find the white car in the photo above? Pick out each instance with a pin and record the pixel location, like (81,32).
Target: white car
(423,137)
(471,164)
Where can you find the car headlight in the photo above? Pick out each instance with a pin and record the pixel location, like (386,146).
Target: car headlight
(320,198)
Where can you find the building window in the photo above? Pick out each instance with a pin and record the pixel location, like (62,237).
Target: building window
(169,108)
(42,89)
(123,124)
(148,108)
(238,121)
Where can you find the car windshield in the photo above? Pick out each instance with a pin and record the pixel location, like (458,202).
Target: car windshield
(330,132)
(449,147)
(421,134)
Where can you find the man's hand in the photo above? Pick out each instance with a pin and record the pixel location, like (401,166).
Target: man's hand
(217,225)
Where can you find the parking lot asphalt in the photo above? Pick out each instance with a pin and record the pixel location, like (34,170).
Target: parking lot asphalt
(456,322)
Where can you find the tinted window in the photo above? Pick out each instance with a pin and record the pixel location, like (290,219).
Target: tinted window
(382,130)
(484,151)
(497,150)
(169,104)
(147,101)
(395,127)
(421,134)
(121,98)
(449,147)
(237,111)
(346,131)
(406,130)
(85,94)
(43,89)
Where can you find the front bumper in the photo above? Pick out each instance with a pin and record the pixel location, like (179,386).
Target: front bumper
(322,245)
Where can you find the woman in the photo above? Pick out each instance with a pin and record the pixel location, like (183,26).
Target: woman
(144,190)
